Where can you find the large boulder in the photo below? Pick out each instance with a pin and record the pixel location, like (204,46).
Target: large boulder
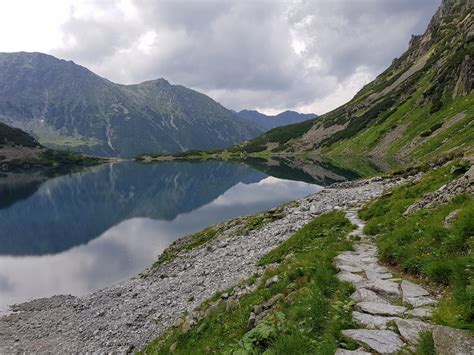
(451,341)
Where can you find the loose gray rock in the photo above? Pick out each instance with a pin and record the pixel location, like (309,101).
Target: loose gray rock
(451,341)
(252,321)
(463,185)
(450,218)
(349,277)
(421,313)
(364,295)
(410,329)
(380,308)
(381,341)
(271,281)
(371,322)
(387,287)
(410,289)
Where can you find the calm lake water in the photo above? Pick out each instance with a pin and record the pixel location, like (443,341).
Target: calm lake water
(77,233)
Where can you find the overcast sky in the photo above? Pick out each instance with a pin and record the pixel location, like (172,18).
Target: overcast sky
(270,55)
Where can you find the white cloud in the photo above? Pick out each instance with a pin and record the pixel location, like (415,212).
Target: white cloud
(271,55)
(27,25)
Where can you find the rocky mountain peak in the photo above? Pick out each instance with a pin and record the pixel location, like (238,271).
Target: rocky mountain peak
(65,105)
(159,83)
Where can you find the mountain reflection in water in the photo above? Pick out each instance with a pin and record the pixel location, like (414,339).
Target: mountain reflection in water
(77,233)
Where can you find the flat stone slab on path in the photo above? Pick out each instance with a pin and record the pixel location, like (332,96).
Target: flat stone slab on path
(420,313)
(381,341)
(350,277)
(387,287)
(419,301)
(380,309)
(409,289)
(365,295)
(410,329)
(350,268)
(370,321)
(375,275)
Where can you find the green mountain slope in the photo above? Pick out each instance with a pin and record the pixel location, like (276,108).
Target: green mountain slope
(66,105)
(15,136)
(20,152)
(421,106)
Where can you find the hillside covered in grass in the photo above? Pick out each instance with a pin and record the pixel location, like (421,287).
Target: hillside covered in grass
(421,106)
(19,151)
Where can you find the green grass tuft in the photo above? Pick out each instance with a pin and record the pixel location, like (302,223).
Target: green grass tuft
(426,345)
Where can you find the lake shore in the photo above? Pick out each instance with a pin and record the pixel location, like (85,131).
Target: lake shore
(130,314)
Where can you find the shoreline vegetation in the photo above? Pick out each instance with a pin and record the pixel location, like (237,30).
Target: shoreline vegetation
(353,166)
(48,161)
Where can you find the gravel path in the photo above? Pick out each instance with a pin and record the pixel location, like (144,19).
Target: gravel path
(128,315)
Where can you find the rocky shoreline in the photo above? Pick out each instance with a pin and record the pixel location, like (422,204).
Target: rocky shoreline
(128,315)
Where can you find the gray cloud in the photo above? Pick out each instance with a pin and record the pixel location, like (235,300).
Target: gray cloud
(266,54)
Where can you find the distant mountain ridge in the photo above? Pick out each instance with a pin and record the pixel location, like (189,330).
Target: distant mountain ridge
(267,122)
(65,105)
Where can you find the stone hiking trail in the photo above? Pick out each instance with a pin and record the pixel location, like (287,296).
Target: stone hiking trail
(377,310)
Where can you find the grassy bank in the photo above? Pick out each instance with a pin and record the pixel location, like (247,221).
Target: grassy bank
(422,245)
(50,161)
(312,306)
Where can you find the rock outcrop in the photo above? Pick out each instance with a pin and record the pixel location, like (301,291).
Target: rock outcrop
(463,185)
(450,341)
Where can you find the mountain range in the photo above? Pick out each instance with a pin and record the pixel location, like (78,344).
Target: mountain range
(64,105)
(421,107)
(266,122)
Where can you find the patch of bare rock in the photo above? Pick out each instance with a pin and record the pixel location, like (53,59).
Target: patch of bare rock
(463,185)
